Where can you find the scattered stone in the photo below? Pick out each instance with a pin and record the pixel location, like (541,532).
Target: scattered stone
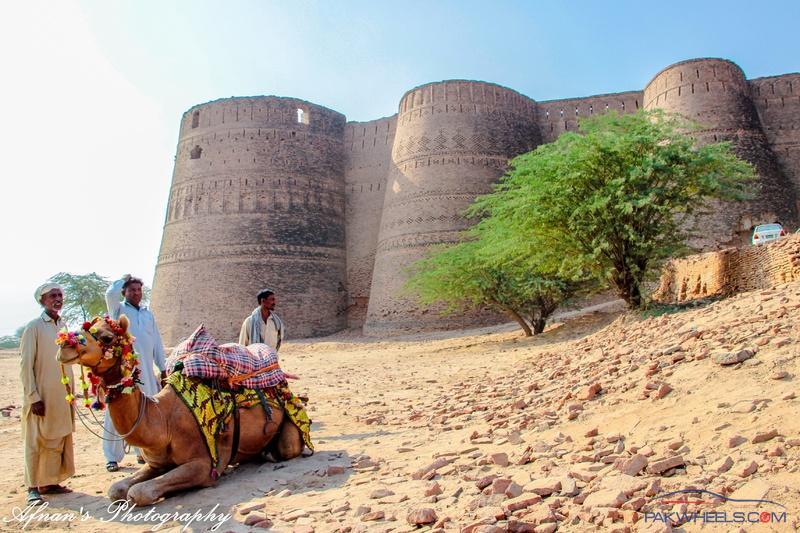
(731,358)
(544,486)
(377,494)
(764,436)
(437,464)
(254,518)
(513,490)
(747,468)
(485,481)
(373,516)
(250,508)
(632,465)
(722,466)
(781,374)
(627,484)
(433,489)
(568,487)
(744,407)
(334,470)
(776,451)
(421,517)
(500,459)
(662,391)
(605,498)
(735,441)
(294,515)
(663,465)
(521,502)
(590,392)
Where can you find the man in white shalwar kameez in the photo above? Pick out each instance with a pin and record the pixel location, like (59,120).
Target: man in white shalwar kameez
(147,345)
(47,418)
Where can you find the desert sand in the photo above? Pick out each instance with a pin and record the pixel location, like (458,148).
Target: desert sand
(582,428)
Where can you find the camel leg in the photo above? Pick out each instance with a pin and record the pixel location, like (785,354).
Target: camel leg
(192,474)
(289,442)
(119,490)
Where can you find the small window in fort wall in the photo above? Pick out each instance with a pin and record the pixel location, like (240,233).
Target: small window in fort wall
(196,118)
(302,116)
(196,152)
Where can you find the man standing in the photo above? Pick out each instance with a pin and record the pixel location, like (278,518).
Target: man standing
(47,418)
(263,325)
(147,345)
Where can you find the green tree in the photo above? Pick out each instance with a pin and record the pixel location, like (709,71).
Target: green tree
(84,295)
(468,275)
(616,199)
(8,342)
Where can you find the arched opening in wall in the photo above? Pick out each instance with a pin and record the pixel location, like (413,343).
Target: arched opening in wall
(302,116)
(196,118)
(196,152)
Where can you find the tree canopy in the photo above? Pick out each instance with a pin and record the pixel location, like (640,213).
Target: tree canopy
(617,198)
(602,206)
(84,295)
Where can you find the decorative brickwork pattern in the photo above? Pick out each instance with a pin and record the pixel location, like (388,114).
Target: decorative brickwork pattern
(730,271)
(257,200)
(453,141)
(279,192)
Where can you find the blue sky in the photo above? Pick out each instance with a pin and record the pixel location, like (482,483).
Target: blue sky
(94,91)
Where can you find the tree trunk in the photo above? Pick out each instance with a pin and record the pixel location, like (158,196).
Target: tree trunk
(521,321)
(538,325)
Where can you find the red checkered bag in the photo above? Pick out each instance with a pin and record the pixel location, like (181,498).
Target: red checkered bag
(253,367)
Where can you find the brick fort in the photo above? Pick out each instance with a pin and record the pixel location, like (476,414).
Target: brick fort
(278,192)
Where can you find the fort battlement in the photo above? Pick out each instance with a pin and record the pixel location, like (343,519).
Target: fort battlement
(279,192)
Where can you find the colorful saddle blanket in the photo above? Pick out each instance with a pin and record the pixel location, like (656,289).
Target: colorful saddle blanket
(252,367)
(213,408)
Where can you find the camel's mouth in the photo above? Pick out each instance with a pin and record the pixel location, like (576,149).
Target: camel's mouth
(68,361)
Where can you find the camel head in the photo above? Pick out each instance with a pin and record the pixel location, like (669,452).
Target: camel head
(99,345)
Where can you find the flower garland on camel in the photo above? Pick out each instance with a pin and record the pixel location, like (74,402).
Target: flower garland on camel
(121,347)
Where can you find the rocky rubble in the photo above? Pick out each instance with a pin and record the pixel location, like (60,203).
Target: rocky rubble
(576,432)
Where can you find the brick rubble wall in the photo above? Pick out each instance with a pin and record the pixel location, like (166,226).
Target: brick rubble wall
(726,272)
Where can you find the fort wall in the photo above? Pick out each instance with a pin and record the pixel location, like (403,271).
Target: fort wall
(715,94)
(777,100)
(279,192)
(257,200)
(453,140)
(368,156)
(558,116)
(726,272)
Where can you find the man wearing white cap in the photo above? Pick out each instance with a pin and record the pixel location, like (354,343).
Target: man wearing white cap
(47,419)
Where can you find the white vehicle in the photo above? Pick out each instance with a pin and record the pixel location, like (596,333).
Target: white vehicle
(765,233)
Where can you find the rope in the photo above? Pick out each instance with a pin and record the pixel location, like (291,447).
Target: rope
(139,417)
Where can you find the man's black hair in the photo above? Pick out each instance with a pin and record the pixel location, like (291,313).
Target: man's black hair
(130,280)
(263,294)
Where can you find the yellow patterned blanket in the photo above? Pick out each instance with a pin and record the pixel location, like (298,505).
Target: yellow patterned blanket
(213,408)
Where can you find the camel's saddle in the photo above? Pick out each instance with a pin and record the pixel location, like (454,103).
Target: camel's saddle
(214,381)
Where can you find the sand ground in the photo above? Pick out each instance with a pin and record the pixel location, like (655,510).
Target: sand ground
(467,424)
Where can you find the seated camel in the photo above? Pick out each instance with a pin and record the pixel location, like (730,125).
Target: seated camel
(164,428)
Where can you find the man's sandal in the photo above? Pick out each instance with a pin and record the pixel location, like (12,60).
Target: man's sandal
(34,498)
(112,466)
(54,489)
